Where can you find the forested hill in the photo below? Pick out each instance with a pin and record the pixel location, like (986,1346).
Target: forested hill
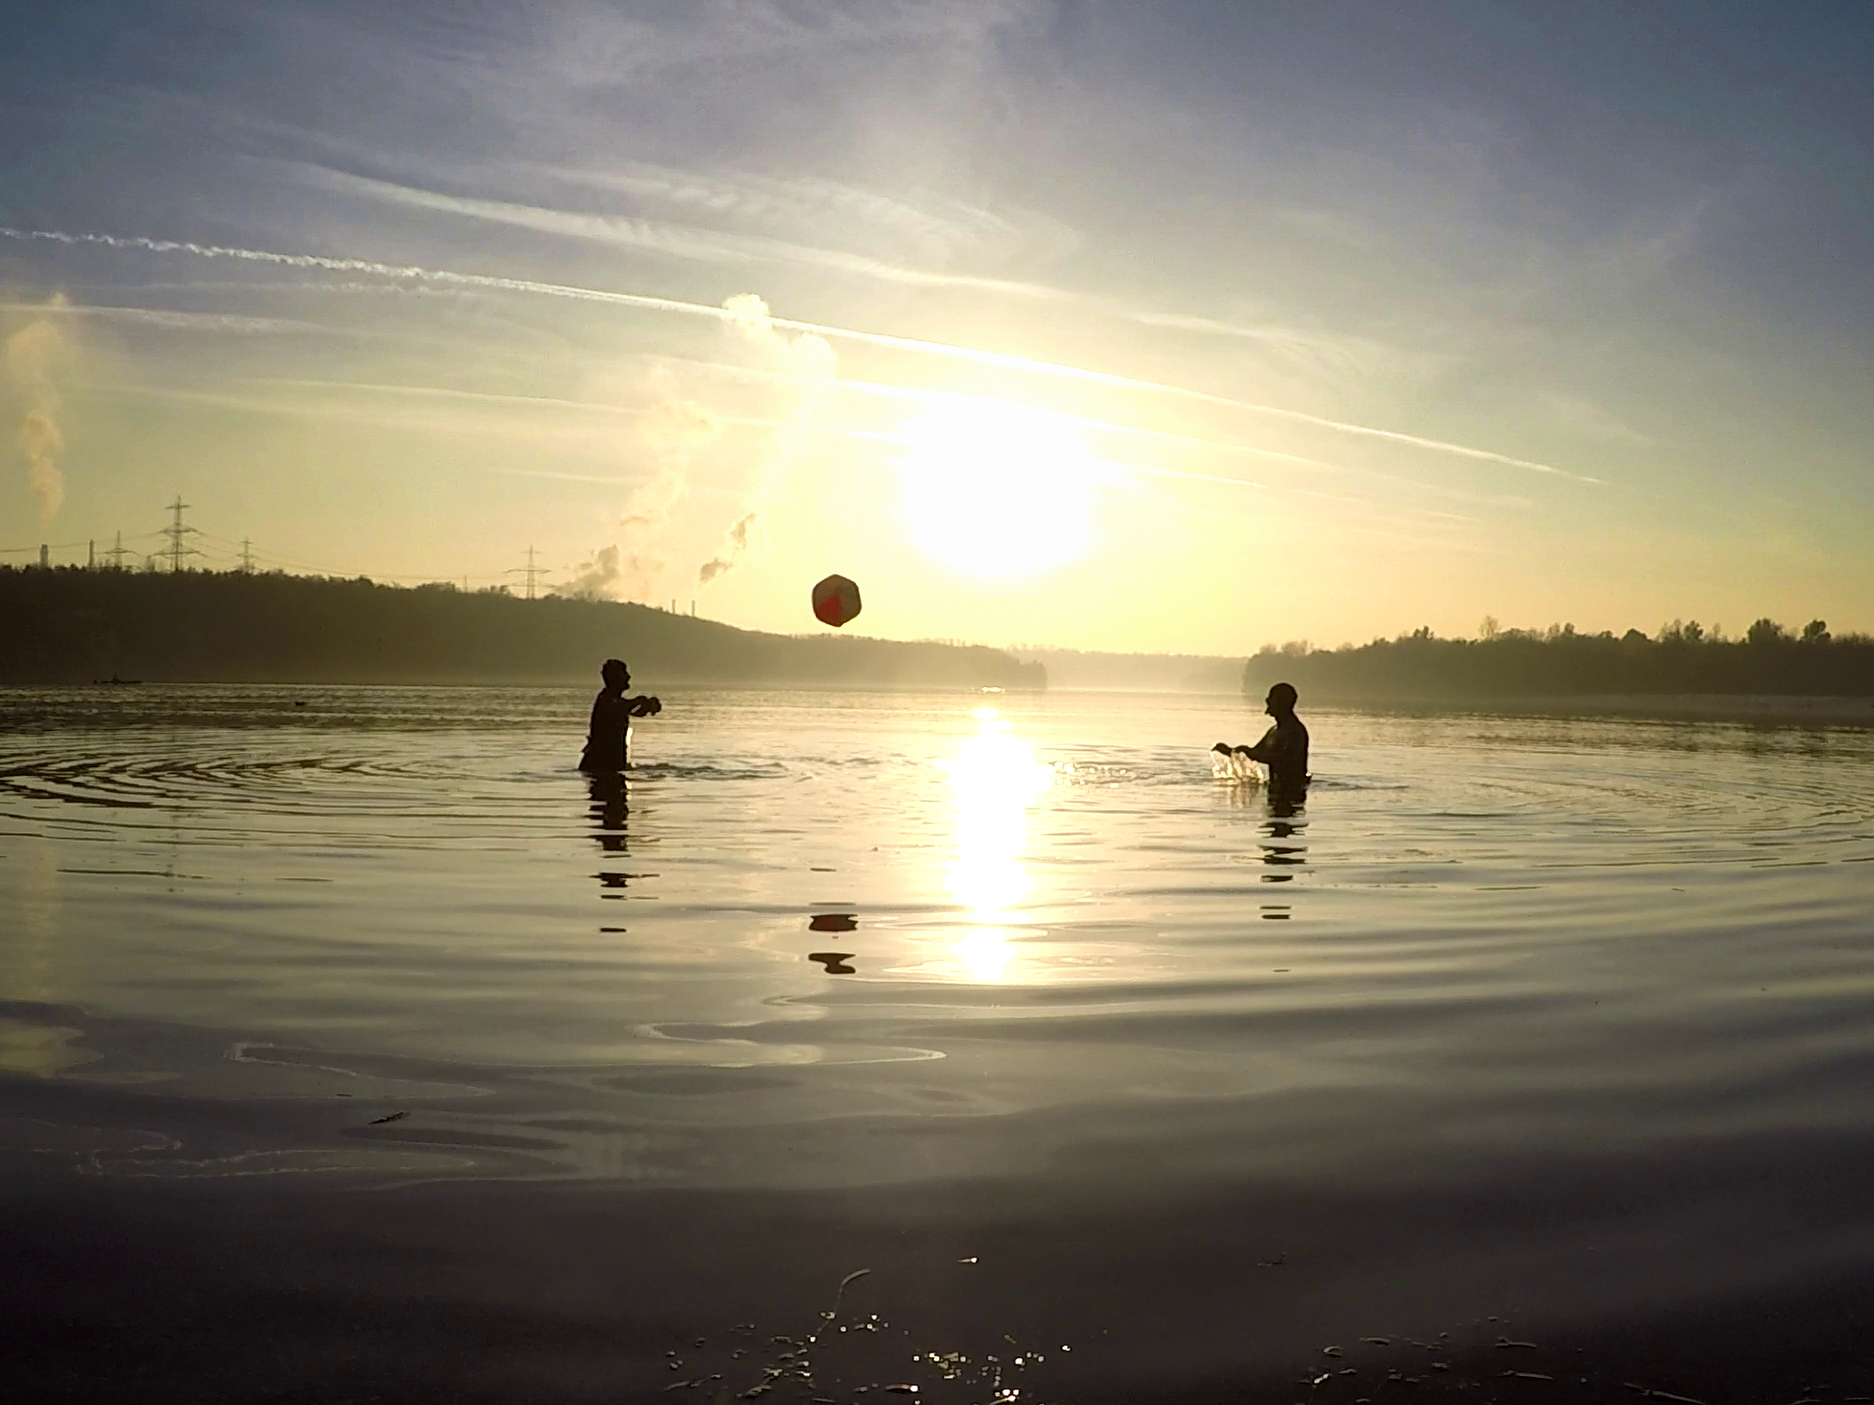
(71,624)
(1558,662)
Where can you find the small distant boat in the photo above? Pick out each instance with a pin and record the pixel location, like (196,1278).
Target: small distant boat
(115,682)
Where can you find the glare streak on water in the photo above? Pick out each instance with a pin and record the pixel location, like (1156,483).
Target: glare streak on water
(1522,932)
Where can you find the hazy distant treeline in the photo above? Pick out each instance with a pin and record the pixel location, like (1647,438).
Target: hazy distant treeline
(70,624)
(1142,673)
(1558,662)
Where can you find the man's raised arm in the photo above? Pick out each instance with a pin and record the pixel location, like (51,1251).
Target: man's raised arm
(1264,750)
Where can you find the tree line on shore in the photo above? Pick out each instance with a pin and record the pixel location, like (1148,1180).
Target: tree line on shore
(1682,657)
(70,624)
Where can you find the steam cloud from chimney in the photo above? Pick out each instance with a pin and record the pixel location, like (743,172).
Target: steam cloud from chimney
(595,578)
(675,432)
(810,360)
(33,356)
(672,431)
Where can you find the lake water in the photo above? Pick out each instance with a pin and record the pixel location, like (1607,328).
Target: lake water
(353,1046)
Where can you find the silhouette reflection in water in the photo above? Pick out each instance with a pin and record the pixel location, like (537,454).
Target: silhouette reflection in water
(1286,843)
(836,962)
(609,809)
(610,805)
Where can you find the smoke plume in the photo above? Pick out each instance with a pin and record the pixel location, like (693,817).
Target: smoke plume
(34,354)
(671,431)
(594,581)
(809,360)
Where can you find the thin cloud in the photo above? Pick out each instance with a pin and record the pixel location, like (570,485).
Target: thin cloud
(435,392)
(559,477)
(834,205)
(1342,356)
(173,320)
(942,350)
(682,241)
(605,50)
(1585,417)
(938,227)
(330,404)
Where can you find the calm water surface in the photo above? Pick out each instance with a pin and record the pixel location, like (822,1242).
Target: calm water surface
(1550,1017)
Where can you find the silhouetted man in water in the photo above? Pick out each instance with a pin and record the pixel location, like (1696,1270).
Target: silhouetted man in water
(1284,747)
(608,741)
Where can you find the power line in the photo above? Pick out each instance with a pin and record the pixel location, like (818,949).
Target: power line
(55,546)
(179,543)
(177,532)
(266,558)
(530,571)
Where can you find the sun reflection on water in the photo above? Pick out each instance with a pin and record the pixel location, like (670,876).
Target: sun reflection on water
(994,778)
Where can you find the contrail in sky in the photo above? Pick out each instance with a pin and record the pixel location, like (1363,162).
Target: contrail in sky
(997,359)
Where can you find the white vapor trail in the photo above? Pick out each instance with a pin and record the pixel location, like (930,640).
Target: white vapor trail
(676,240)
(945,350)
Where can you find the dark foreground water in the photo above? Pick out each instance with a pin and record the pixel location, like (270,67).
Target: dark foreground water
(353,1048)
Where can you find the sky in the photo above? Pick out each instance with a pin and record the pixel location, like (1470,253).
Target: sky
(1183,327)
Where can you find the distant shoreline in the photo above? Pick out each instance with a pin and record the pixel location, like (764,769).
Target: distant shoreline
(642,681)
(1764,708)
(75,625)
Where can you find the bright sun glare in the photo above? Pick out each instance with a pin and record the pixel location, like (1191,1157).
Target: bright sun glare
(994,778)
(995,489)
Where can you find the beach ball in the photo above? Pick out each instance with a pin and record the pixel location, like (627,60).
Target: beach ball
(835,601)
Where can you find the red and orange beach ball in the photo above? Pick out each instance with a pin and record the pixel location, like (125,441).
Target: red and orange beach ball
(835,601)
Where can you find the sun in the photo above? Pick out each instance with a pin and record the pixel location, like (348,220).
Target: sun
(994,489)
